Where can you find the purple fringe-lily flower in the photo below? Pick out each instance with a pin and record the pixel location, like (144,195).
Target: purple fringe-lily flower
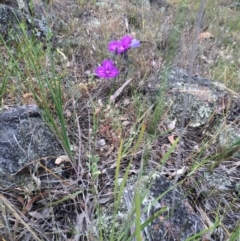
(135,44)
(107,70)
(120,46)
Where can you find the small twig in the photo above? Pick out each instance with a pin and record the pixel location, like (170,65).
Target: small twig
(119,91)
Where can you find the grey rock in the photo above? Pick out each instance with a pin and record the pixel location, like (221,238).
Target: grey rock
(156,4)
(203,97)
(159,3)
(183,223)
(145,4)
(11,3)
(180,224)
(24,137)
(206,97)
(10,20)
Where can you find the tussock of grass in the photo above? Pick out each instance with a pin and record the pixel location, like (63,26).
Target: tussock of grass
(57,75)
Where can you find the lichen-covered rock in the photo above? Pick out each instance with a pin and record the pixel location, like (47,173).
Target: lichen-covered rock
(180,224)
(206,99)
(24,137)
(11,20)
(11,3)
(203,97)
